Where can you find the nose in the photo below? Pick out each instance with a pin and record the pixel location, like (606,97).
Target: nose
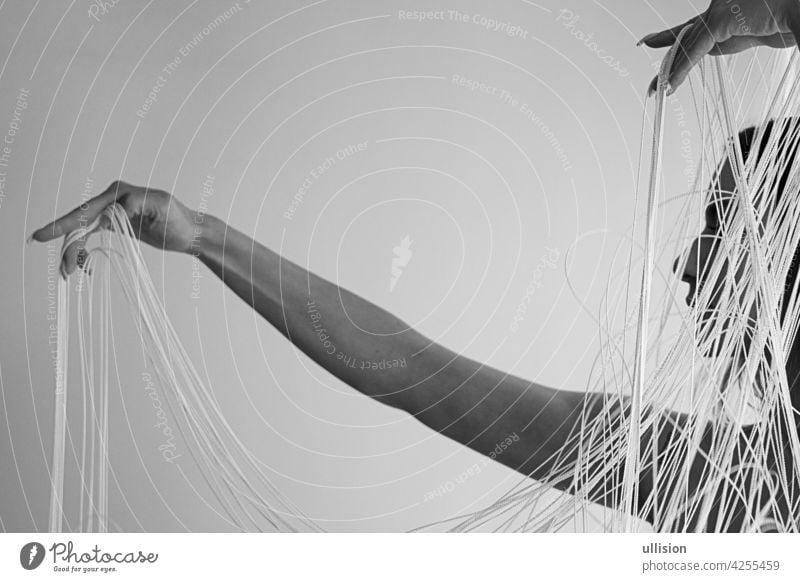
(679,267)
(685,266)
(676,266)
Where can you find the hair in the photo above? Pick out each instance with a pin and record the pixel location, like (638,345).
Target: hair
(786,147)
(747,138)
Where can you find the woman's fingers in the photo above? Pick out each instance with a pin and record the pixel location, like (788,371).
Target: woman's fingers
(665,37)
(74,252)
(696,43)
(721,30)
(81,216)
(738,44)
(73,256)
(653,86)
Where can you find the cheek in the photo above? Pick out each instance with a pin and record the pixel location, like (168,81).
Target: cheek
(707,251)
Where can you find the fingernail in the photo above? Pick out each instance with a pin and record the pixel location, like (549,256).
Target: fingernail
(29,240)
(645,38)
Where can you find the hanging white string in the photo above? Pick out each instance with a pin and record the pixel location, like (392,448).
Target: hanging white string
(711,429)
(55,522)
(233,474)
(698,434)
(631,483)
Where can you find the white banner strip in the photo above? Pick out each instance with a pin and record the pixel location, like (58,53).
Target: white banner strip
(401,557)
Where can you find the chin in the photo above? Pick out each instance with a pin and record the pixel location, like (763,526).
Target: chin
(711,334)
(714,348)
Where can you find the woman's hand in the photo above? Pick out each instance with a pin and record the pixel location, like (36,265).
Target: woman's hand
(727,27)
(157,218)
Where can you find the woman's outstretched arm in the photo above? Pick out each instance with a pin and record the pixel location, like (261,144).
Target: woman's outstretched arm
(379,355)
(523,425)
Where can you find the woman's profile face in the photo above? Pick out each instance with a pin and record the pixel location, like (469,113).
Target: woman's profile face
(693,266)
(697,265)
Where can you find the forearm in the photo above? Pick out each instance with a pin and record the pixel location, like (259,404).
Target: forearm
(358,342)
(377,354)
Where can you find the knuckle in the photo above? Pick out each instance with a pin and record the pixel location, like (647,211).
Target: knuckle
(131,203)
(117,186)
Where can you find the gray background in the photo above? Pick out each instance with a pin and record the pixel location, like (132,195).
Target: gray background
(482,186)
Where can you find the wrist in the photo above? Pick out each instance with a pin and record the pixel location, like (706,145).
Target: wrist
(207,236)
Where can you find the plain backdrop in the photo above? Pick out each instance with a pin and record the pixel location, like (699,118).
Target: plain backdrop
(502,142)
